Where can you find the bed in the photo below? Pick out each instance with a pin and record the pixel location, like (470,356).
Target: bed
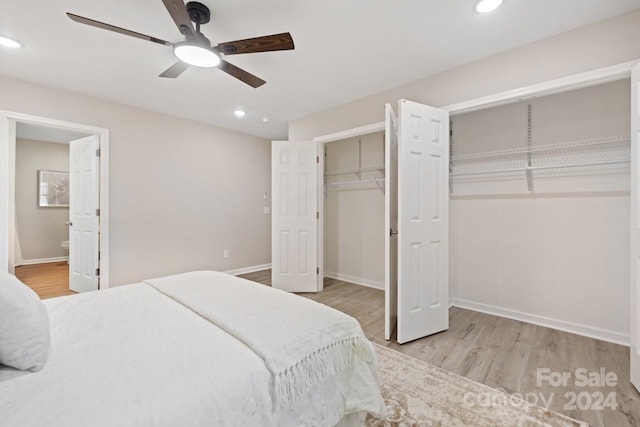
(195,349)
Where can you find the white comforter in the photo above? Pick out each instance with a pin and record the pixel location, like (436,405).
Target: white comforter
(301,342)
(133,356)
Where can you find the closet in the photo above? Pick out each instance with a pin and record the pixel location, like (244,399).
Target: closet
(353,191)
(411,172)
(540,210)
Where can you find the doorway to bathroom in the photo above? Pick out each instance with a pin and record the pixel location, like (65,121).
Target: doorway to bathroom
(56,233)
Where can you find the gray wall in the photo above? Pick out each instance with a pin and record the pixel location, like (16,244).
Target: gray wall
(40,230)
(180,191)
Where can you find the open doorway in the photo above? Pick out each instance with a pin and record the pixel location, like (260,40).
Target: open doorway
(55,236)
(42,197)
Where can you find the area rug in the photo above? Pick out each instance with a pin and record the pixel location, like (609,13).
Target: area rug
(419,394)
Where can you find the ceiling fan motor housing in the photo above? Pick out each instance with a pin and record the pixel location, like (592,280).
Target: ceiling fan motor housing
(198,12)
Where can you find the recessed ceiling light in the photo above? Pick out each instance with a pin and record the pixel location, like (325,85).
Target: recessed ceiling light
(265,119)
(485,6)
(6,42)
(239,113)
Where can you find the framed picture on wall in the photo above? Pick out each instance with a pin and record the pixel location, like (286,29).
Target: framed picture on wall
(53,189)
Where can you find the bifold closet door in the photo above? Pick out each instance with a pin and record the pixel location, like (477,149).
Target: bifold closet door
(391,221)
(423,220)
(84,201)
(635,227)
(294,222)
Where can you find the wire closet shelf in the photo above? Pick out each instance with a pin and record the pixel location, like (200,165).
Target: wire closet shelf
(589,154)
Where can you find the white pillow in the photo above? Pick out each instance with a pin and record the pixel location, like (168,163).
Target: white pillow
(24,325)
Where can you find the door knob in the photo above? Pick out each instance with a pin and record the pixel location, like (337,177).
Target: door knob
(392,232)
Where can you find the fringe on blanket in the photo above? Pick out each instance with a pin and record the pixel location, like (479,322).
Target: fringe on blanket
(319,366)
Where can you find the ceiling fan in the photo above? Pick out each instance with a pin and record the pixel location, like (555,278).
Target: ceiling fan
(196,49)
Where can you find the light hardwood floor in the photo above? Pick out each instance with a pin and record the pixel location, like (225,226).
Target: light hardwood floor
(499,352)
(48,280)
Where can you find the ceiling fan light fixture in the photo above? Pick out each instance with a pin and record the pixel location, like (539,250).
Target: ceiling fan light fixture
(7,42)
(486,6)
(198,56)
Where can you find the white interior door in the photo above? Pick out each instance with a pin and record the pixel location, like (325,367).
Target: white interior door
(635,227)
(423,220)
(390,222)
(84,186)
(294,224)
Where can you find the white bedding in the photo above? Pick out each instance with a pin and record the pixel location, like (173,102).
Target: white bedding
(132,356)
(301,342)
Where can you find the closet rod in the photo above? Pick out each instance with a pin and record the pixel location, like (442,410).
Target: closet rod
(359,181)
(350,171)
(537,168)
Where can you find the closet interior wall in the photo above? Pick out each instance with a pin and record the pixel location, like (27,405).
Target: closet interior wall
(557,254)
(354,210)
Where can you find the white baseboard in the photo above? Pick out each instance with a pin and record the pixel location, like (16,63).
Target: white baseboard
(43,260)
(353,279)
(562,325)
(251,269)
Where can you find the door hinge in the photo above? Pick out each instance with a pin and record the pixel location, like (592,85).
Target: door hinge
(317,159)
(98,152)
(98,212)
(317,270)
(317,215)
(97,272)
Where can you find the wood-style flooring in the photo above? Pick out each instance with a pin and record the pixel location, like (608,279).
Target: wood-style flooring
(48,280)
(502,353)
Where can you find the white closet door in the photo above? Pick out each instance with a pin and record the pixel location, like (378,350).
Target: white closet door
(390,222)
(635,227)
(423,219)
(84,187)
(294,225)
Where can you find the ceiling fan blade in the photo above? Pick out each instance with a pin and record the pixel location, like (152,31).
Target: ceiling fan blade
(241,74)
(178,12)
(270,43)
(175,70)
(102,25)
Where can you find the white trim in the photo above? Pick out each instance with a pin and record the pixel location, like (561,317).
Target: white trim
(251,269)
(320,203)
(350,133)
(561,325)
(43,260)
(564,84)
(7,146)
(356,280)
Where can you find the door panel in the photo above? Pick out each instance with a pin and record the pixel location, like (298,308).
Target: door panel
(84,189)
(391,222)
(423,220)
(294,171)
(635,228)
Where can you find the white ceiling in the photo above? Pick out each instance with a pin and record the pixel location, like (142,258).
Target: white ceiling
(45,133)
(345,49)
